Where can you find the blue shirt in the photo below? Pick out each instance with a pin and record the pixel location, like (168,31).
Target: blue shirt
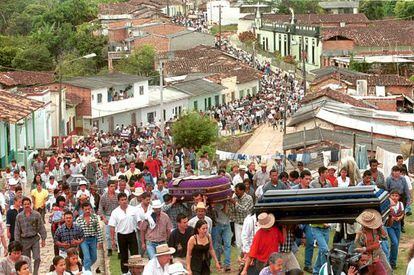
(401,185)
(160,194)
(66,235)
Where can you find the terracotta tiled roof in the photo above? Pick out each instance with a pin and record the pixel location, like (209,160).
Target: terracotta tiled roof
(160,44)
(335,95)
(376,34)
(16,78)
(73,99)
(380,80)
(312,19)
(136,22)
(204,59)
(164,29)
(15,107)
(135,5)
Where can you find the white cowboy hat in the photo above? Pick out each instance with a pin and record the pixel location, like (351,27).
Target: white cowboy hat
(243,167)
(163,249)
(156,204)
(265,220)
(82,182)
(138,191)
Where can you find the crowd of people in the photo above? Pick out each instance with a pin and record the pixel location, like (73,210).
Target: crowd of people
(124,201)
(196,22)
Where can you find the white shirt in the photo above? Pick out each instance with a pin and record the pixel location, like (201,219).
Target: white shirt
(125,222)
(343,184)
(237,178)
(259,191)
(410,267)
(194,220)
(153,267)
(51,186)
(113,160)
(80,193)
(248,230)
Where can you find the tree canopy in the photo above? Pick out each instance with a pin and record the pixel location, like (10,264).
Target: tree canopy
(194,130)
(139,62)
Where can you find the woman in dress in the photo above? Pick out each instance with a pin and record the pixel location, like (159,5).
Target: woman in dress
(200,251)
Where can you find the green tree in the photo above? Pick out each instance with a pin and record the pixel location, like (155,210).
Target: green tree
(81,67)
(404,9)
(7,54)
(376,10)
(299,6)
(194,130)
(362,67)
(139,62)
(35,58)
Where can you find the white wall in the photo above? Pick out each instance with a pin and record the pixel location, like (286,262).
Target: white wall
(229,15)
(244,25)
(246,88)
(106,108)
(141,115)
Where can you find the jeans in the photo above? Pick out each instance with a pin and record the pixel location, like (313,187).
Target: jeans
(321,235)
(394,233)
(385,249)
(221,234)
(151,248)
(89,248)
(108,233)
(308,245)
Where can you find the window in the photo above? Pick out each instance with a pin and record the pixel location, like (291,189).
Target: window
(141,90)
(99,99)
(209,103)
(196,105)
(93,97)
(241,93)
(313,51)
(254,90)
(205,104)
(103,121)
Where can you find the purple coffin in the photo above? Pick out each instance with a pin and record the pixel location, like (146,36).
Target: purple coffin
(216,188)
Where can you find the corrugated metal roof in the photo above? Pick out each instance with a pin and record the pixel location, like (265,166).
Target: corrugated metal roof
(344,138)
(198,87)
(104,81)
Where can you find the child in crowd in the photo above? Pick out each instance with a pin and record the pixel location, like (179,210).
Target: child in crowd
(394,225)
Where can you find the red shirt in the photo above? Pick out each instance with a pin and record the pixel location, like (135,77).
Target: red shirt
(332,179)
(153,167)
(265,242)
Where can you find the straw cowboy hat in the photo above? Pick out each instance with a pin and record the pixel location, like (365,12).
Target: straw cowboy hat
(243,167)
(163,249)
(265,220)
(200,205)
(138,191)
(156,204)
(263,164)
(370,218)
(82,182)
(332,167)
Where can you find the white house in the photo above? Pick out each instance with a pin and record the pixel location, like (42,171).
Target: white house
(120,99)
(19,130)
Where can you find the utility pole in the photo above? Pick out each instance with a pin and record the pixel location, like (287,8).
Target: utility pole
(162,99)
(220,25)
(60,106)
(303,65)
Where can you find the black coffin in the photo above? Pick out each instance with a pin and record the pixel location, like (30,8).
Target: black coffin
(323,205)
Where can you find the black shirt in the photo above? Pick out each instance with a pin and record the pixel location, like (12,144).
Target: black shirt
(11,221)
(179,241)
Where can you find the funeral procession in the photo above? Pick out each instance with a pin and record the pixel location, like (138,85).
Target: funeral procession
(198,137)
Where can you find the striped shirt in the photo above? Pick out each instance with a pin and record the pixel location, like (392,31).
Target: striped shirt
(107,204)
(91,229)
